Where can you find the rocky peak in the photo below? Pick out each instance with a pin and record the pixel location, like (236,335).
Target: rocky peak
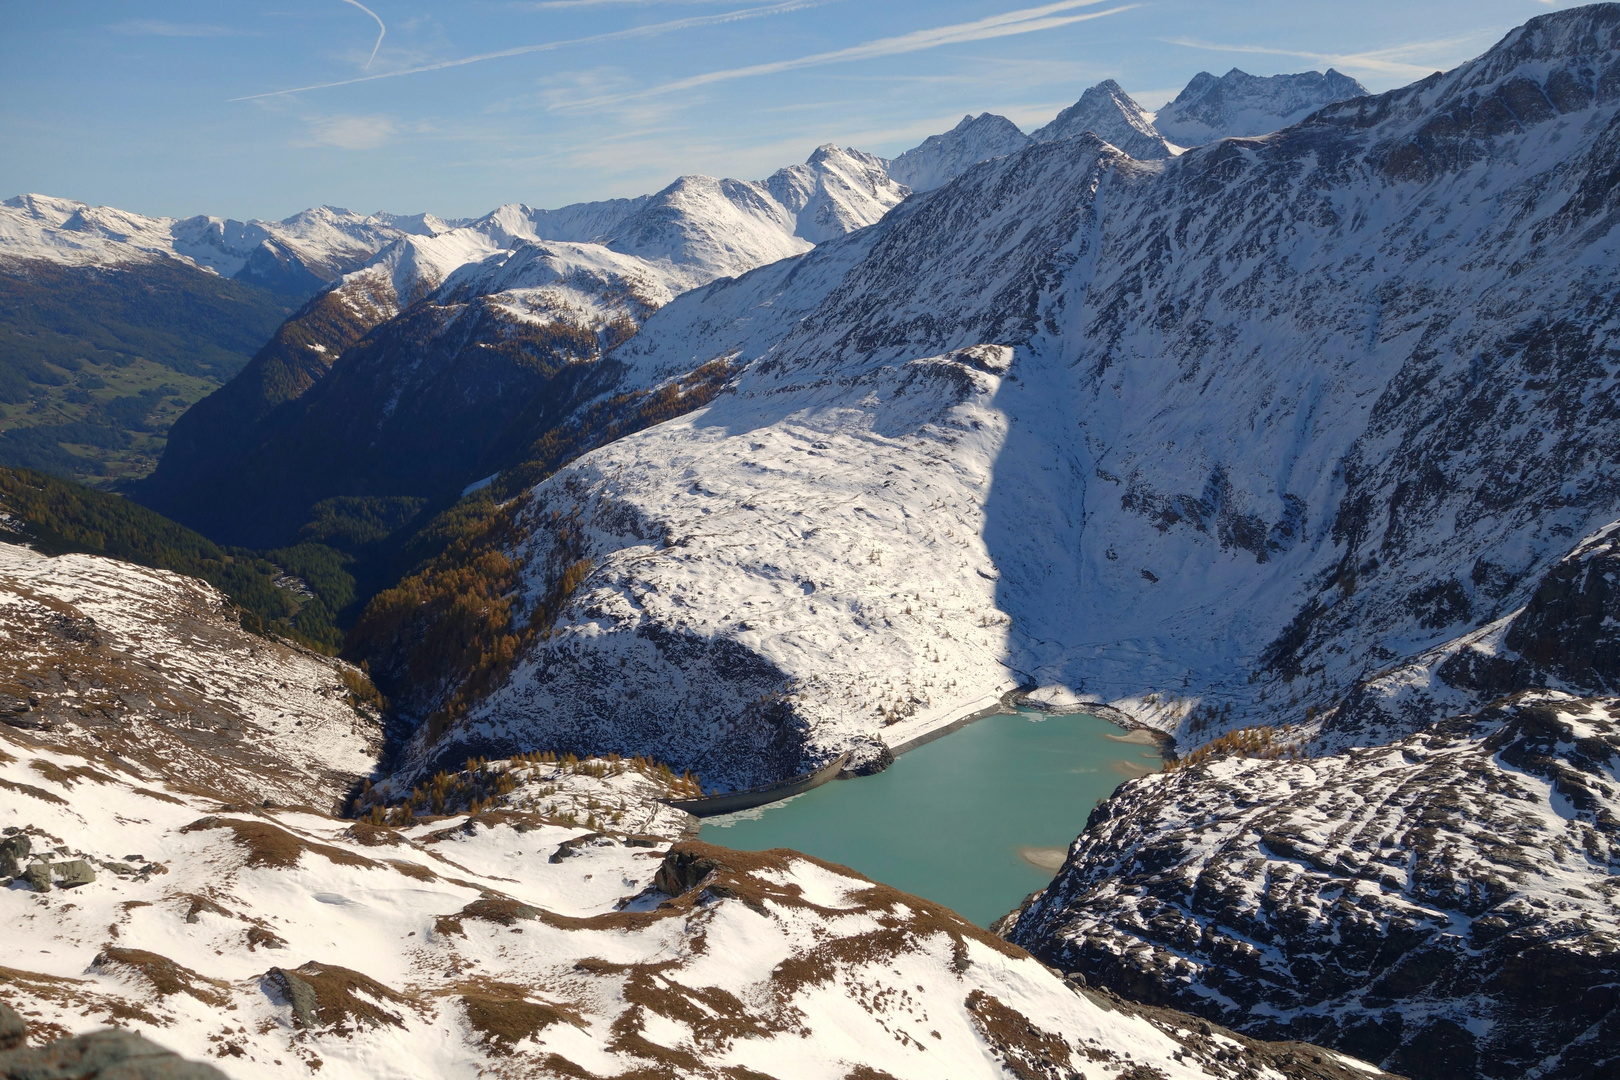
(1240,104)
(1108,112)
(834,192)
(939,159)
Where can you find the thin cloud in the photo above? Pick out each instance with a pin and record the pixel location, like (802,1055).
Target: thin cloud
(1388,61)
(563,5)
(381,29)
(547,46)
(158,28)
(1022,21)
(350,132)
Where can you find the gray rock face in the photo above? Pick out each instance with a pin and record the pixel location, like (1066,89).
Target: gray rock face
(101,1055)
(1567,636)
(38,876)
(1240,104)
(1446,906)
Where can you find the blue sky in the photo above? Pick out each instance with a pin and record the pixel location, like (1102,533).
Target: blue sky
(258,109)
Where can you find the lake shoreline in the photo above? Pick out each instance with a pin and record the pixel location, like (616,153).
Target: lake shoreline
(975,822)
(1019,697)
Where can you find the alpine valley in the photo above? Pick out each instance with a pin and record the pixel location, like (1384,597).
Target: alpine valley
(1283,424)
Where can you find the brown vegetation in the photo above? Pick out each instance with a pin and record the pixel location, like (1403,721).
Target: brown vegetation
(165,977)
(269,845)
(481,785)
(1254,742)
(1027,1051)
(506,1019)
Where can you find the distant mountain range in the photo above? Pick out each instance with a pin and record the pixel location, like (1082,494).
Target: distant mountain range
(364,270)
(703,226)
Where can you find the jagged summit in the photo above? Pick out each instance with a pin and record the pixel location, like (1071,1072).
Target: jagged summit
(1240,104)
(836,190)
(939,159)
(1108,112)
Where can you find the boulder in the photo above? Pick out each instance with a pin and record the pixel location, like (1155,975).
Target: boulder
(683,870)
(13,850)
(38,876)
(100,1055)
(13,1030)
(72,874)
(569,848)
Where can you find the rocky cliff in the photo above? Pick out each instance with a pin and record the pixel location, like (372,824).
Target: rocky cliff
(1445,905)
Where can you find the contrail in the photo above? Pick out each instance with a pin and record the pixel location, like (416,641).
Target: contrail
(1023,21)
(381,29)
(547,46)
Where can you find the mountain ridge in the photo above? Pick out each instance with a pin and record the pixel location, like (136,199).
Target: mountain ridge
(1260,539)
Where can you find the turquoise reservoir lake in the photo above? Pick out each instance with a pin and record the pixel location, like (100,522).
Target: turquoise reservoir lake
(976,820)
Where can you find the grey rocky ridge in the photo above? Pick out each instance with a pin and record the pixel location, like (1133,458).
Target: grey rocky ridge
(1446,904)
(1108,112)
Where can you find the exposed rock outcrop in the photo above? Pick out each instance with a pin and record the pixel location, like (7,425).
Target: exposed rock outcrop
(1447,905)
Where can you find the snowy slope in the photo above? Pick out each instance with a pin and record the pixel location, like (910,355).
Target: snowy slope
(1107,111)
(152,667)
(939,159)
(1205,472)
(1240,104)
(536,917)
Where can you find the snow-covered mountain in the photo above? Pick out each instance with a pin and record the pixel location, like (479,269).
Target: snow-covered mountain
(1206,397)
(1240,104)
(939,159)
(1108,112)
(693,231)
(506,305)
(296,255)
(172,863)
(1104,110)
(1444,904)
(1303,444)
